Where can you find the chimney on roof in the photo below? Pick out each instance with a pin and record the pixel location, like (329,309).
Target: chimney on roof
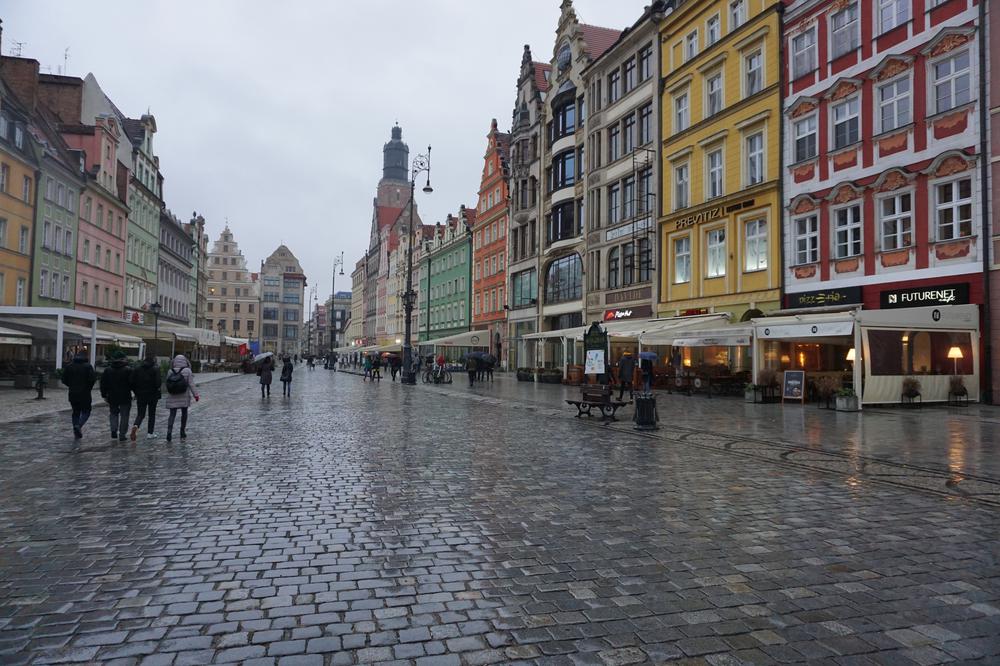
(21,74)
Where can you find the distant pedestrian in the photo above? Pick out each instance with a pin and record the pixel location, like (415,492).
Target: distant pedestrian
(80,377)
(180,389)
(377,368)
(367,366)
(490,365)
(286,377)
(265,372)
(626,374)
(394,365)
(646,365)
(146,381)
(471,367)
(116,389)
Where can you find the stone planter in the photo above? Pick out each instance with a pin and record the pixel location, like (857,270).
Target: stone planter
(847,403)
(525,376)
(749,395)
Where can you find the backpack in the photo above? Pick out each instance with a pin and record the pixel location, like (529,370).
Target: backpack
(176,382)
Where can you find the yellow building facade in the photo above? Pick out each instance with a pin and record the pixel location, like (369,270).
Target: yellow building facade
(17,214)
(720,224)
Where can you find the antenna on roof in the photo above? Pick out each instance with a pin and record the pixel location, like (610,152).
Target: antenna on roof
(65,67)
(17,48)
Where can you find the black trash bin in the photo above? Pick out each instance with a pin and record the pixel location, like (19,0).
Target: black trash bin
(645,412)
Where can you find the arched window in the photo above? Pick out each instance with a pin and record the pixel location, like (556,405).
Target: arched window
(564,279)
(613,261)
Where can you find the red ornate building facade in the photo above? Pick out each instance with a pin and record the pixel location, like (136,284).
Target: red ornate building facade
(882,180)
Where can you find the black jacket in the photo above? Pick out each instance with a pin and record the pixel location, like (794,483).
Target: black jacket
(626,368)
(146,380)
(80,377)
(116,382)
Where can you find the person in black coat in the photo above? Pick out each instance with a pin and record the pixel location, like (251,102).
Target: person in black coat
(626,374)
(286,377)
(146,382)
(80,377)
(116,389)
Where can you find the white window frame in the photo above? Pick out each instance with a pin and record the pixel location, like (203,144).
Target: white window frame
(902,221)
(716,255)
(747,72)
(809,255)
(899,12)
(691,45)
(950,79)
(715,20)
(715,175)
(720,91)
(682,187)
(682,112)
(737,14)
(757,241)
(853,227)
(854,115)
(797,135)
(682,260)
(954,205)
(851,28)
(750,157)
(898,100)
(804,58)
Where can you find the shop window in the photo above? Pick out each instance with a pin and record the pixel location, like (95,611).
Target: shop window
(896,222)
(895,352)
(564,279)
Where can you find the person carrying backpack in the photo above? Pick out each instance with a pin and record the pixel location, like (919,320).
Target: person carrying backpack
(80,377)
(180,389)
(116,389)
(146,382)
(286,377)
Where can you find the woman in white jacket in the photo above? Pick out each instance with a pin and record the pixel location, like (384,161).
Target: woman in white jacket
(181,388)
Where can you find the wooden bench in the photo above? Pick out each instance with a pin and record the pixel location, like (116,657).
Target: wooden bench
(599,397)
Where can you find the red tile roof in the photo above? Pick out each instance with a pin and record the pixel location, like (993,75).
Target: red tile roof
(387,215)
(598,39)
(541,72)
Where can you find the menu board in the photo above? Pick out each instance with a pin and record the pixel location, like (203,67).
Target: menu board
(595,362)
(793,385)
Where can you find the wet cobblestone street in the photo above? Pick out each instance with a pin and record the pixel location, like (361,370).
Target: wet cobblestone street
(356,523)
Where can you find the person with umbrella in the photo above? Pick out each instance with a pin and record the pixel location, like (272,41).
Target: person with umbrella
(286,377)
(646,361)
(265,372)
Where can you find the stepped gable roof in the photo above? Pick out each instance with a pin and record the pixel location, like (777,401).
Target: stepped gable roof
(598,39)
(541,75)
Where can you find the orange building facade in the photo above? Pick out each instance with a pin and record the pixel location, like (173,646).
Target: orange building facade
(489,268)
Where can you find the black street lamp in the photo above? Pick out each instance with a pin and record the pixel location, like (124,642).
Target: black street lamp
(222,328)
(156,308)
(420,163)
(331,315)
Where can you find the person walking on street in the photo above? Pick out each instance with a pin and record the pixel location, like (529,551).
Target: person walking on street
(394,365)
(116,389)
(626,374)
(367,365)
(80,377)
(146,381)
(286,377)
(265,372)
(471,367)
(646,365)
(180,389)
(377,368)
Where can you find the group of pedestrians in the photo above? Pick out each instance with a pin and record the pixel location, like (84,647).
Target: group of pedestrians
(266,374)
(120,382)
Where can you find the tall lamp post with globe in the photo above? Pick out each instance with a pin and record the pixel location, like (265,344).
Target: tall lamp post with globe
(156,308)
(420,164)
(337,261)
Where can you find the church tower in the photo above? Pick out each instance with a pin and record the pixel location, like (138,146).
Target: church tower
(395,156)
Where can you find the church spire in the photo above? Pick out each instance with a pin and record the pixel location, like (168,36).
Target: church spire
(395,156)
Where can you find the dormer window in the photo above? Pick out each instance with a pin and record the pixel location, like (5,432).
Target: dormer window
(564,57)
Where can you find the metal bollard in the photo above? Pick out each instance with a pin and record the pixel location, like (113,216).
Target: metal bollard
(645,412)
(40,383)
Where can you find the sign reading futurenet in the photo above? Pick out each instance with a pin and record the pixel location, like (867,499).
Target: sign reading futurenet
(947,294)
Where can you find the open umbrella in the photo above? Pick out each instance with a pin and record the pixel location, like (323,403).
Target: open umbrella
(261,357)
(648,355)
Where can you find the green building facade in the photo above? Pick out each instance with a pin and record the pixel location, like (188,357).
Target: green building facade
(445,281)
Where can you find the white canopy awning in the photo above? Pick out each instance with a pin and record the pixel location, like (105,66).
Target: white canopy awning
(464,339)
(665,331)
(236,342)
(103,336)
(816,325)
(572,333)
(733,336)
(9,336)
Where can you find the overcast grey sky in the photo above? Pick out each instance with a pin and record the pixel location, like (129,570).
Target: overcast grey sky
(273,113)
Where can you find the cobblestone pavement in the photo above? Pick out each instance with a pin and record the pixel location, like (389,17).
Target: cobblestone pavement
(356,523)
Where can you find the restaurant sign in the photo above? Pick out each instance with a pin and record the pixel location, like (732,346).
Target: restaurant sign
(628,313)
(702,216)
(824,297)
(948,294)
(134,317)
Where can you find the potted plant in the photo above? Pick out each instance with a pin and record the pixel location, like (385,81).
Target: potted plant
(911,389)
(826,386)
(957,390)
(749,392)
(767,384)
(550,375)
(847,400)
(525,375)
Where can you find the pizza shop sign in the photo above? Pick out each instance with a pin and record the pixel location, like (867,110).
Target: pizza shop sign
(627,313)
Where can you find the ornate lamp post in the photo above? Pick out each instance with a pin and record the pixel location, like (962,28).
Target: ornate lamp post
(337,261)
(156,308)
(222,328)
(420,163)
